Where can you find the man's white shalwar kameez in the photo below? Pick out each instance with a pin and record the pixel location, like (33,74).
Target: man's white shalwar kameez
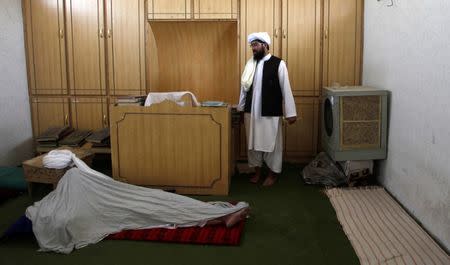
(264,134)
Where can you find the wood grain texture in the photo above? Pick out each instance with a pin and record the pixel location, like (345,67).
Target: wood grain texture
(86,47)
(125,33)
(172,147)
(45,44)
(48,112)
(342,44)
(89,113)
(196,56)
(301,34)
(301,137)
(213,9)
(169,9)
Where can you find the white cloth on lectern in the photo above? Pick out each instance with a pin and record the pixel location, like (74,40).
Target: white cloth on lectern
(87,206)
(158,97)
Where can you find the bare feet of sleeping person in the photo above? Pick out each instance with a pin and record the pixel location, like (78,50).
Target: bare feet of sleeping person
(234,218)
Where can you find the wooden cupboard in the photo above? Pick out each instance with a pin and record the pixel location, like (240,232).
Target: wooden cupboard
(192,9)
(48,112)
(89,113)
(73,54)
(45,46)
(300,142)
(125,34)
(86,47)
(83,54)
(212,9)
(342,42)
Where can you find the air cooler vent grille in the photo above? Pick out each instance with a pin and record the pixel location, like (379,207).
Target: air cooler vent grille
(360,122)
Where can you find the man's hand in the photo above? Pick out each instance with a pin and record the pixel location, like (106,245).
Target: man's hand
(291,120)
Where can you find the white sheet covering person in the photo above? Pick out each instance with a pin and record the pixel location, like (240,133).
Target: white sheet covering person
(266,97)
(87,206)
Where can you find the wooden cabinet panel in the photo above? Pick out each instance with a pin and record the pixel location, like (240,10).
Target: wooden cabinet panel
(301,27)
(48,112)
(167,146)
(342,42)
(169,9)
(213,9)
(126,46)
(86,47)
(89,113)
(257,16)
(301,137)
(45,33)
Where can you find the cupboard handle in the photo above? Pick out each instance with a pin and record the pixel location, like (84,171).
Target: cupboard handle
(108,33)
(61,33)
(275,34)
(284,34)
(101,33)
(104,120)
(326,33)
(66,119)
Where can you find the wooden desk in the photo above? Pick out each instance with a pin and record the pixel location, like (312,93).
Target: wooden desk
(186,149)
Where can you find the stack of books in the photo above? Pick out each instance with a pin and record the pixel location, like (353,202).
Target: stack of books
(52,135)
(131,101)
(76,139)
(100,138)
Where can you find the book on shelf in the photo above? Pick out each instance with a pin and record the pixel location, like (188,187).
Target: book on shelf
(99,136)
(54,133)
(76,138)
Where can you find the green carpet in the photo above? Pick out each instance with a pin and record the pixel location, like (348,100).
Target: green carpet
(290,223)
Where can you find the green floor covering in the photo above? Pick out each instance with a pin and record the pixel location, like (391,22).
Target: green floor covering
(290,223)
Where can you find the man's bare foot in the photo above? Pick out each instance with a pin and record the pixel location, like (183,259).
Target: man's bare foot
(270,180)
(255,178)
(234,218)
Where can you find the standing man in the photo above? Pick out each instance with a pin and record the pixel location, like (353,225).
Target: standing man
(266,97)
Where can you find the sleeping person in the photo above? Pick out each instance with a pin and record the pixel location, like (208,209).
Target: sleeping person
(87,206)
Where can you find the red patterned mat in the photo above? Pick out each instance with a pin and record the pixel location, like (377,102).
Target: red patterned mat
(209,235)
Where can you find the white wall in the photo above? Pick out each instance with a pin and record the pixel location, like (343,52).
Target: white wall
(407,51)
(15,122)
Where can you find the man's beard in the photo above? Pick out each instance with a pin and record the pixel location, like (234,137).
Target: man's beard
(258,55)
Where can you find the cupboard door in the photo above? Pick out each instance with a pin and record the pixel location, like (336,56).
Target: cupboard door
(49,112)
(169,9)
(301,137)
(257,16)
(89,113)
(125,33)
(342,42)
(301,27)
(45,47)
(86,47)
(213,9)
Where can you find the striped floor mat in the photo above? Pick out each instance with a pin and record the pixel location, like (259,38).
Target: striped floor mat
(381,231)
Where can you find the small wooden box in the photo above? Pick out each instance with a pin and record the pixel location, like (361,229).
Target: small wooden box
(35,171)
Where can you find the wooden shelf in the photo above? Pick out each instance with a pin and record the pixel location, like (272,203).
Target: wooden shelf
(86,146)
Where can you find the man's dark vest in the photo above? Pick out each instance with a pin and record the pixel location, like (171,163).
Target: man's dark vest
(271,96)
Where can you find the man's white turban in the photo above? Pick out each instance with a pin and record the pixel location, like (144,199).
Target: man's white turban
(262,36)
